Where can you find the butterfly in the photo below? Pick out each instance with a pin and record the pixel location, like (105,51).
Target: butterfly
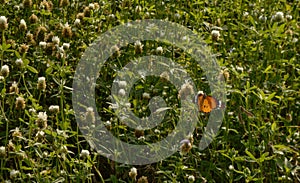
(206,103)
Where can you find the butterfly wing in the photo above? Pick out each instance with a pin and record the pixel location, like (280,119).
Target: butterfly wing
(200,99)
(206,103)
(212,102)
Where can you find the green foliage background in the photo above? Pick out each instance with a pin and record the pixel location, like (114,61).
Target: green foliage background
(259,137)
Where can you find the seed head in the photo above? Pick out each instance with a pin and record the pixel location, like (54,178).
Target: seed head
(40,33)
(133,173)
(41,85)
(64,3)
(87,12)
(185,147)
(33,19)
(27,3)
(142,179)
(20,103)
(67,31)
(138,46)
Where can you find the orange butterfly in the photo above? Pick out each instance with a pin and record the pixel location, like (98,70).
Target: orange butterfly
(206,103)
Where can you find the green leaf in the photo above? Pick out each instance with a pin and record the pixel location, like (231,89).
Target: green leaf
(26,62)
(267,69)
(270,96)
(250,155)
(17,54)
(32,69)
(274,126)
(49,70)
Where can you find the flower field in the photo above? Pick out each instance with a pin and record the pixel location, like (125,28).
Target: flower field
(255,45)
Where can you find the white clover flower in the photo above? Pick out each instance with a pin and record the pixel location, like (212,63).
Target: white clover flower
(231,167)
(77,22)
(31,110)
(165,76)
(54,108)
(14,173)
(159,50)
(133,173)
(289,17)
(17,7)
(191,178)
(215,35)
(3,22)
(55,40)
(2,151)
(122,92)
(185,38)
(138,43)
(41,85)
(84,153)
(40,134)
(128,104)
(186,90)
(294,40)
(122,84)
(66,25)
(111,16)
(107,123)
(42,116)
(5,70)
(66,46)
(262,18)
(61,50)
(146,95)
(41,121)
(43,44)
(278,17)
(63,149)
(115,50)
(92,6)
(138,47)
(240,68)
(246,14)
(90,115)
(23,23)
(19,62)
(141,138)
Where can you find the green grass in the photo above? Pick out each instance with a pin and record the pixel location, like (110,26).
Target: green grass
(259,138)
